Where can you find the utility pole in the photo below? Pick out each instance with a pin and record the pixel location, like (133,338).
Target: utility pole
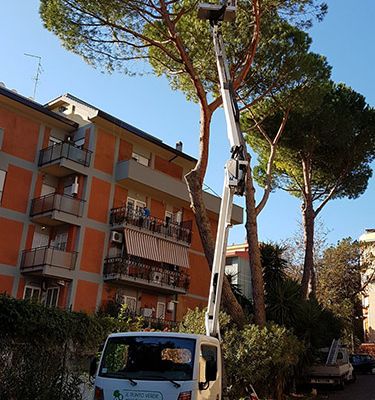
(39,70)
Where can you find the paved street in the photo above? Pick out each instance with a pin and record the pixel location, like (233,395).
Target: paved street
(362,389)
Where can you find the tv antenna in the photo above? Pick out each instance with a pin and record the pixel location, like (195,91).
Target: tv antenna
(39,70)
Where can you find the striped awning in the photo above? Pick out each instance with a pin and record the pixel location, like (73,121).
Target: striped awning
(173,253)
(141,244)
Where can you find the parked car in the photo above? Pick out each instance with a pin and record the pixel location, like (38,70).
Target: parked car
(336,373)
(363,363)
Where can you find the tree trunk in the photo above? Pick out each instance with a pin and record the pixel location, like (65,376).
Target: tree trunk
(194,180)
(308,278)
(254,251)
(308,219)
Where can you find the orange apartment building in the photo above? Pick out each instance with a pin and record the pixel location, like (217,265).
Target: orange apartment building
(93,209)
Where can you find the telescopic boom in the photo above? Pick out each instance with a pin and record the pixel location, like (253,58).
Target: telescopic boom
(235,167)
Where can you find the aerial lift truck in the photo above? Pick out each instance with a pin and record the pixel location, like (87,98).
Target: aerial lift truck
(176,366)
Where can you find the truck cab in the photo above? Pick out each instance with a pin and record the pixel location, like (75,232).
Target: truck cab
(159,366)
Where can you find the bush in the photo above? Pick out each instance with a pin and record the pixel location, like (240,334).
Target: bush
(193,322)
(44,352)
(263,357)
(266,356)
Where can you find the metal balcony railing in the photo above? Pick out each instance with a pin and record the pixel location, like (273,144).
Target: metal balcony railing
(66,150)
(160,323)
(57,202)
(136,217)
(153,322)
(48,256)
(138,268)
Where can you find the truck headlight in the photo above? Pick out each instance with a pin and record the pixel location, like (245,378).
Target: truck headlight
(184,396)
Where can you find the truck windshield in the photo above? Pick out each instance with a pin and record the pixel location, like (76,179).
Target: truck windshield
(148,358)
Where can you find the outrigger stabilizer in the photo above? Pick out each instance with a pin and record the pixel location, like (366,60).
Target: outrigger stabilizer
(236,166)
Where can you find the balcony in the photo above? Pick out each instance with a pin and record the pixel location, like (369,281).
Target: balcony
(132,174)
(180,232)
(48,261)
(56,209)
(63,159)
(143,273)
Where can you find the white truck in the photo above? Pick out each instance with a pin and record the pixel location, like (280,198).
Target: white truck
(159,366)
(332,367)
(174,366)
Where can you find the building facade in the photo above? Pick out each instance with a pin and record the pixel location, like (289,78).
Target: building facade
(368,299)
(95,211)
(237,267)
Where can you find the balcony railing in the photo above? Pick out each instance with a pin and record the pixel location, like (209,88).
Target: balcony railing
(153,322)
(136,268)
(160,323)
(57,202)
(136,217)
(48,256)
(66,150)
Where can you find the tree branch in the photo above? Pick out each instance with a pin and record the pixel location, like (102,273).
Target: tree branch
(273,145)
(200,91)
(252,49)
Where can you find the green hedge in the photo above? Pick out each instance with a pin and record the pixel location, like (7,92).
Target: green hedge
(45,352)
(30,321)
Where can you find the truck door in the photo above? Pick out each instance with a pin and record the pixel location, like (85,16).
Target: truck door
(211,389)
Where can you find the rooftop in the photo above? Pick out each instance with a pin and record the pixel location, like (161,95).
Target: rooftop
(16,97)
(118,122)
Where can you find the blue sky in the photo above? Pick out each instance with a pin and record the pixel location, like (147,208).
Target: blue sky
(345,37)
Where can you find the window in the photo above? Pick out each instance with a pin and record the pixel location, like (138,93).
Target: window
(168,217)
(178,217)
(230,260)
(140,159)
(47,189)
(2,182)
(130,203)
(115,250)
(31,293)
(135,205)
(145,357)
(131,303)
(41,237)
(160,310)
(209,353)
(52,297)
(53,141)
(340,356)
(60,241)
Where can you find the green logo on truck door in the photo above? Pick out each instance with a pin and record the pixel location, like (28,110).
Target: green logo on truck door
(117,395)
(137,395)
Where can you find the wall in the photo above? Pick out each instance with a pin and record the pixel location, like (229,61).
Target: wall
(168,168)
(20,135)
(90,236)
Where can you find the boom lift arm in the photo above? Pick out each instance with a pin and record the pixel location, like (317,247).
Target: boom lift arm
(235,167)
